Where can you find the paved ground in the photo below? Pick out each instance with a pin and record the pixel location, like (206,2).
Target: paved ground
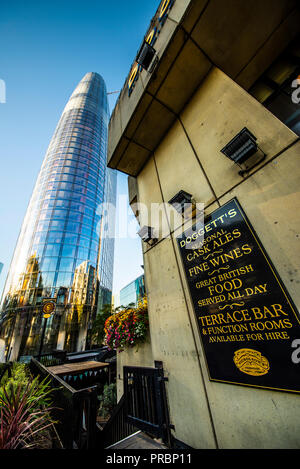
(139,441)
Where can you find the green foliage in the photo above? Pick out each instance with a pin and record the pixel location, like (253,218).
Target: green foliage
(17,376)
(108,400)
(19,379)
(98,332)
(24,409)
(23,419)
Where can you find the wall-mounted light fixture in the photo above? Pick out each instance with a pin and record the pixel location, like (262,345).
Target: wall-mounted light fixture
(147,235)
(145,55)
(183,204)
(241,148)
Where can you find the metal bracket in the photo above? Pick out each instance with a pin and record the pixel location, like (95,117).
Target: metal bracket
(153,65)
(170,426)
(245,171)
(160,378)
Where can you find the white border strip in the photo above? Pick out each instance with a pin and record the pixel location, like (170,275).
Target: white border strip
(121,441)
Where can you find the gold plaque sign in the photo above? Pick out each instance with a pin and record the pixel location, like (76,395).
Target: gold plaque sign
(248,323)
(251,362)
(48,308)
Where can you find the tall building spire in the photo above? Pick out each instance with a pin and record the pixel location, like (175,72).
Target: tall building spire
(58,250)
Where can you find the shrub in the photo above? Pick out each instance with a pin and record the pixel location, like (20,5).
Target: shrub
(18,374)
(108,400)
(19,379)
(98,325)
(24,409)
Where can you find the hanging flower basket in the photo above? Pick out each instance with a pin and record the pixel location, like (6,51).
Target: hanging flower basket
(127,328)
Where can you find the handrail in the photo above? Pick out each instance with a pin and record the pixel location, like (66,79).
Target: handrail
(117,428)
(75,410)
(52,359)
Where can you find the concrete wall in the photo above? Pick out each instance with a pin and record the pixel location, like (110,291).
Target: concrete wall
(208,414)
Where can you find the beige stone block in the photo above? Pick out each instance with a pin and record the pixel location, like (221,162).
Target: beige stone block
(232,32)
(115,131)
(138,115)
(219,110)
(133,158)
(184,77)
(275,45)
(179,9)
(151,209)
(179,169)
(154,81)
(140,355)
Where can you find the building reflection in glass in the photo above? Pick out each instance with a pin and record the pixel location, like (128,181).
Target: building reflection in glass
(63,251)
(133,292)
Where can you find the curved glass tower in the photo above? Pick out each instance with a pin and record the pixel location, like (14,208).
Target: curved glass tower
(62,252)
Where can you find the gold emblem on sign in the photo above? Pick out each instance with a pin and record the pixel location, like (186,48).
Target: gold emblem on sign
(48,308)
(251,362)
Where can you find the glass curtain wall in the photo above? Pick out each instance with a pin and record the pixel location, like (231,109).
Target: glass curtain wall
(58,253)
(133,292)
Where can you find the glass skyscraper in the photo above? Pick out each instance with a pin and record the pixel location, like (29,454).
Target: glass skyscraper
(133,292)
(63,251)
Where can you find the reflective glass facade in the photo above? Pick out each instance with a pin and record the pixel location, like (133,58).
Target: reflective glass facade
(133,292)
(62,251)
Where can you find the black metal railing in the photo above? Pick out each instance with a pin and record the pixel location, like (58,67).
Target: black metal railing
(86,355)
(143,406)
(59,357)
(53,358)
(146,401)
(117,428)
(74,410)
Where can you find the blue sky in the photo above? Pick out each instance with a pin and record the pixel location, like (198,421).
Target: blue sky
(46,48)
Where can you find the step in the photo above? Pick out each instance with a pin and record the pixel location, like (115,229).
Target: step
(138,440)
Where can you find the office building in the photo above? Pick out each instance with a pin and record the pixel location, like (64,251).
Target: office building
(133,292)
(61,253)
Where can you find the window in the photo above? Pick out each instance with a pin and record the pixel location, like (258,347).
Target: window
(71,239)
(66,264)
(49,264)
(64,279)
(52,250)
(68,251)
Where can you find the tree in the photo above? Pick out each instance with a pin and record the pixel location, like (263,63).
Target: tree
(97,331)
